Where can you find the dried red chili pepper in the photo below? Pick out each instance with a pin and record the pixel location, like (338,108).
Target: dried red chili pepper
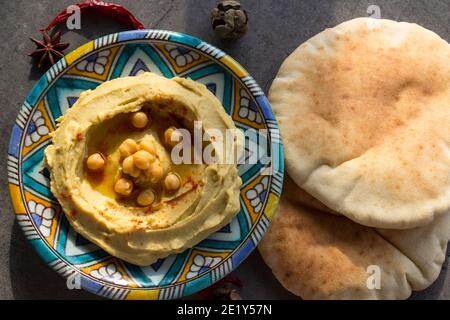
(112,10)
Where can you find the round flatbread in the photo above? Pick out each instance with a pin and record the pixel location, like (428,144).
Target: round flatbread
(308,201)
(317,255)
(364,112)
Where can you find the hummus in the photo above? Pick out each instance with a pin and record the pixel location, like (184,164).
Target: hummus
(195,201)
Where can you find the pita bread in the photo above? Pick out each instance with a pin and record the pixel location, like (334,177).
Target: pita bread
(363,110)
(308,201)
(317,255)
(436,233)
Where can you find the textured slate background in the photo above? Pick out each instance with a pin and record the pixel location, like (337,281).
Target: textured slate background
(276,28)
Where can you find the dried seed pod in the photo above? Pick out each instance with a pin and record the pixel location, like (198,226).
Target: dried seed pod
(229,20)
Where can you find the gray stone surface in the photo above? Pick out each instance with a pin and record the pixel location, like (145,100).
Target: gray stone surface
(276,28)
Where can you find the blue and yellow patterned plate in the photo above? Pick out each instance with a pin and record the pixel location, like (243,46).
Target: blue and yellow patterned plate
(123,54)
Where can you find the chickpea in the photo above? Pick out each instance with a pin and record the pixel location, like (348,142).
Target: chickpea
(129,167)
(155,172)
(143,159)
(123,187)
(128,147)
(172,182)
(168,136)
(147,145)
(139,119)
(95,162)
(146,197)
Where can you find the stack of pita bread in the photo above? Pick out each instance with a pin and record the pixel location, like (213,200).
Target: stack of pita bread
(364,113)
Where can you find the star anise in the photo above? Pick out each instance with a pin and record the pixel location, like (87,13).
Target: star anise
(49,50)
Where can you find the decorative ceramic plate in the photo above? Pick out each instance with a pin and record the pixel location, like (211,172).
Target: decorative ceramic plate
(124,54)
